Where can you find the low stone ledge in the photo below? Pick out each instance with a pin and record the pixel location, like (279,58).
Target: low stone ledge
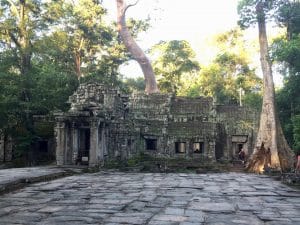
(291,178)
(24,181)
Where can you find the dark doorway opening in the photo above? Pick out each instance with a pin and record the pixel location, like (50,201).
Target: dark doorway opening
(43,146)
(239,148)
(151,144)
(84,145)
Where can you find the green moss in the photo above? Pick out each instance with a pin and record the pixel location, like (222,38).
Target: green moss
(148,163)
(44,129)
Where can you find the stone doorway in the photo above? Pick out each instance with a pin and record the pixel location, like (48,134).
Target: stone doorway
(239,142)
(239,147)
(151,144)
(84,146)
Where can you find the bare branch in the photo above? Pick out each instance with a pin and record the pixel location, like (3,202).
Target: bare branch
(130,5)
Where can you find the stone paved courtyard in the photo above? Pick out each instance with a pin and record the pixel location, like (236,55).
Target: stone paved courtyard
(154,199)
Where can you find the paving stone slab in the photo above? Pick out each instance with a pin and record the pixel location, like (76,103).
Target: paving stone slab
(222,207)
(152,199)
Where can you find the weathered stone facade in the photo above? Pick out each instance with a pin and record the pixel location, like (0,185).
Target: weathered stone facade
(5,148)
(105,124)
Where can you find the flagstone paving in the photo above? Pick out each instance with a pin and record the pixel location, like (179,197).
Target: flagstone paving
(154,199)
(14,178)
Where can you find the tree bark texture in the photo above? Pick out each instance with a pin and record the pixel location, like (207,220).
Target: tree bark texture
(270,136)
(134,49)
(77,62)
(23,43)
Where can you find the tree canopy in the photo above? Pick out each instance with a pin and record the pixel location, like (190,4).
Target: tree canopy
(174,62)
(47,48)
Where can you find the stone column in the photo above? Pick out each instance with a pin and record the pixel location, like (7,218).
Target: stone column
(190,149)
(2,148)
(60,136)
(8,149)
(75,147)
(94,143)
(226,149)
(211,150)
(103,145)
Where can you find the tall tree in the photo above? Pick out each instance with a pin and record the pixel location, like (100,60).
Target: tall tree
(174,64)
(136,52)
(82,35)
(286,52)
(22,21)
(229,78)
(23,90)
(270,137)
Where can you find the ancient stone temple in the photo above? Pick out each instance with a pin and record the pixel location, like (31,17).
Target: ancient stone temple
(106,124)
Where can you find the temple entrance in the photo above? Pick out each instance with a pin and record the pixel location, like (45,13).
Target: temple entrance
(84,146)
(151,144)
(239,142)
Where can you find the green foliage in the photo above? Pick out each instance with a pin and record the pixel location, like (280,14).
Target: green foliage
(45,47)
(230,73)
(288,104)
(296,131)
(137,26)
(248,14)
(287,16)
(253,100)
(134,84)
(287,51)
(246,11)
(175,61)
(44,129)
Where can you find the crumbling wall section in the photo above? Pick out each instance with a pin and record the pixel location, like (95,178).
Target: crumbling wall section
(150,115)
(192,120)
(166,121)
(240,126)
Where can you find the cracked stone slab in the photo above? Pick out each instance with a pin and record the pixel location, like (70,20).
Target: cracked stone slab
(217,207)
(152,199)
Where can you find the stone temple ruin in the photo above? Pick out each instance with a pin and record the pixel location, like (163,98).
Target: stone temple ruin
(105,124)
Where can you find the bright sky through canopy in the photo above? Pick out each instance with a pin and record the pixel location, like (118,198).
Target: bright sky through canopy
(176,19)
(191,20)
(196,21)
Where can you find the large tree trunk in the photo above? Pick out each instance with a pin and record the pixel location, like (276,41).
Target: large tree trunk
(270,138)
(77,62)
(24,43)
(135,50)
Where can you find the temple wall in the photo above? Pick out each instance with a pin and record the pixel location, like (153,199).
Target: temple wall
(121,126)
(240,125)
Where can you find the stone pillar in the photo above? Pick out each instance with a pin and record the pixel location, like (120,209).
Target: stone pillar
(211,150)
(2,148)
(75,143)
(103,146)
(226,149)
(8,148)
(60,136)
(190,148)
(94,143)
